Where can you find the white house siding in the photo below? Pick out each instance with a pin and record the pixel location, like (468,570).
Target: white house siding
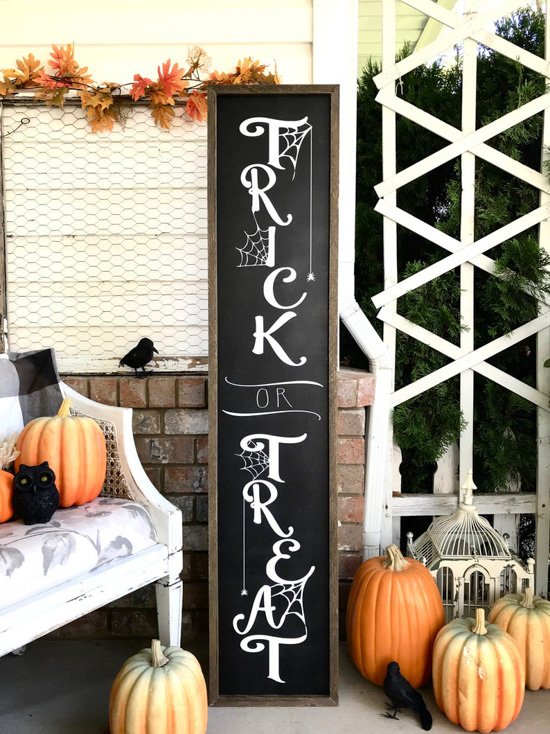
(106,234)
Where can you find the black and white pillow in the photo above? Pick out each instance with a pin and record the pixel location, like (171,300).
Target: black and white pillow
(29,388)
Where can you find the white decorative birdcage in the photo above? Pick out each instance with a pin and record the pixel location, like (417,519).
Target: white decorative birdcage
(471,563)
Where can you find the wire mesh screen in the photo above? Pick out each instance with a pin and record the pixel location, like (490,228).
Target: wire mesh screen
(105,236)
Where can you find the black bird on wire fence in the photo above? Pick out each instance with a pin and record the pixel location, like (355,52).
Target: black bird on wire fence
(139,356)
(402,695)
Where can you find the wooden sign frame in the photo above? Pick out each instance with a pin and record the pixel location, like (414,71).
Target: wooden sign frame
(247,157)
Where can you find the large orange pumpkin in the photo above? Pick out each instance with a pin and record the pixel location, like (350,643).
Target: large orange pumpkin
(526,618)
(478,674)
(160,690)
(394,613)
(74,447)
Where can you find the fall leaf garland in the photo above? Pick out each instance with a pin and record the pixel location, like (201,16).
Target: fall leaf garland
(106,103)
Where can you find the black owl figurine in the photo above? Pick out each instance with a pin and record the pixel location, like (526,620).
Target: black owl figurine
(35,496)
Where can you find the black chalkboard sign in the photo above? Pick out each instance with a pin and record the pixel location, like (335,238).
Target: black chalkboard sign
(273,325)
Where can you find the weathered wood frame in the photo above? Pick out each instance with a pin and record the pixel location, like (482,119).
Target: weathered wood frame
(466,253)
(215,697)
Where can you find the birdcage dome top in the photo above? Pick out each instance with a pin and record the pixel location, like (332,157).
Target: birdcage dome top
(464,534)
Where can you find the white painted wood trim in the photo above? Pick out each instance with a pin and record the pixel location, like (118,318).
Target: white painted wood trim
(466,29)
(496,43)
(431,233)
(379,505)
(467,237)
(433,28)
(468,141)
(463,255)
(35,617)
(86,365)
(417,505)
(473,358)
(454,352)
(484,151)
(542,530)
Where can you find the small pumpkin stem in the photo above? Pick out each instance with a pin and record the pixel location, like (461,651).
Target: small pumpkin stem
(528,598)
(395,560)
(63,411)
(158,658)
(479,627)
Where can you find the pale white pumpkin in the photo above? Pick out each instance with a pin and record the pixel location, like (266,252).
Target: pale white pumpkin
(526,618)
(159,691)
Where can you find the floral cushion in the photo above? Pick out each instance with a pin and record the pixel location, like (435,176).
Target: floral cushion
(34,558)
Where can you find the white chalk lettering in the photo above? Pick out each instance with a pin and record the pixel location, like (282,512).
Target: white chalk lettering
(254,442)
(274,128)
(251,493)
(260,335)
(257,193)
(269,285)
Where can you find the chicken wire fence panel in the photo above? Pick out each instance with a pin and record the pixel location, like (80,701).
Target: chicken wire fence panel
(105,237)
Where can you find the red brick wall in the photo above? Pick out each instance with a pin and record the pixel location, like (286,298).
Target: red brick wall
(171,432)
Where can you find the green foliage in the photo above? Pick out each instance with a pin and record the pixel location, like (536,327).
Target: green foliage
(424,427)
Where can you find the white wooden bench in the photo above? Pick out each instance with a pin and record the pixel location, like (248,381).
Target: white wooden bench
(46,609)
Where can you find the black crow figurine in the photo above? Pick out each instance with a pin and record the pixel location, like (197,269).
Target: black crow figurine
(139,356)
(402,695)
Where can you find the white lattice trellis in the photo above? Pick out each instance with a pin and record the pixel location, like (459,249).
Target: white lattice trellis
(468,142)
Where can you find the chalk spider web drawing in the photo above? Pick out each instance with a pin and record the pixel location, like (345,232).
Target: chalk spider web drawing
(256,249)
(291,595)
(254,461)
(292,139)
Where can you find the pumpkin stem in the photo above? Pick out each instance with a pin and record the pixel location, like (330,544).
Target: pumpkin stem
(63,411)
(394,560)
(528,598)
(158,658)
(479,627)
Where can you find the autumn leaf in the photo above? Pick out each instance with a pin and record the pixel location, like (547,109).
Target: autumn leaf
(53,97)
(139,87)
(198,60)
(171,80)
(28,70)
(62,59)
(68,73)
(220,77)
(158,97)
(162,115)
(197,107)
(101,119)
(98,102)
(97,97)
(6,85)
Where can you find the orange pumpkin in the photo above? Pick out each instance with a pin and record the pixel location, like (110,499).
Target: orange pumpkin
(7,455)
(394,613)
(478,674)
(526,618)
(74,447)
(6,492)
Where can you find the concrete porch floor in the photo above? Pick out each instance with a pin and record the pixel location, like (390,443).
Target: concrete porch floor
(63,688)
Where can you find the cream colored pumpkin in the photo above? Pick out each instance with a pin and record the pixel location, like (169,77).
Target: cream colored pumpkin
(159,691)
(478,674)
(527,619)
